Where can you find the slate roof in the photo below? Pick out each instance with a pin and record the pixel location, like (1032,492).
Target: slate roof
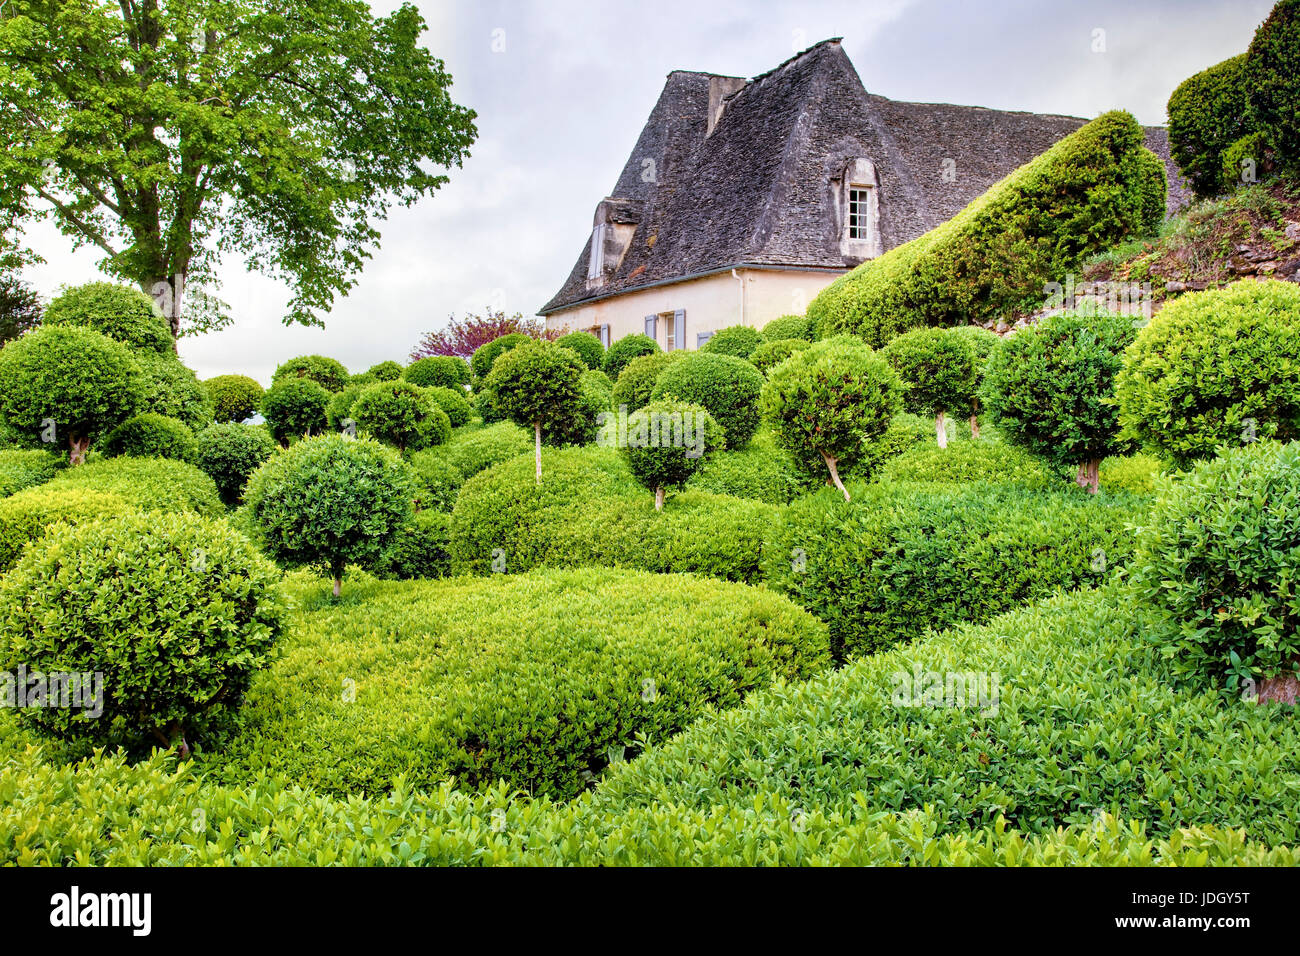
(758,190)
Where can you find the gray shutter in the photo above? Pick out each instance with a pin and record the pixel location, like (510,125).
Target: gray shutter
(701,338)
(604,335)
(650,322)
(679,328)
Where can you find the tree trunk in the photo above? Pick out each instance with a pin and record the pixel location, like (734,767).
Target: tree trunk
(831,463)
(1089,475)
(169,293)
(659,498)
(941,430)
(974,426)
(338,586)
(77,448)
(537,448)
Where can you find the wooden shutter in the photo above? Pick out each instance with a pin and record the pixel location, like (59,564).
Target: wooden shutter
(701,338)
(651,323)
(679,328)
(604,335)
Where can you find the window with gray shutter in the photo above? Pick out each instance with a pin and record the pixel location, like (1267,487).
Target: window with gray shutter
(679,328)
(604,335)
(701,338)
(651,323)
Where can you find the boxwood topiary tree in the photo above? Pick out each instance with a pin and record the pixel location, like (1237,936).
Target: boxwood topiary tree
(402,415)
(830,401)
(454,402)
(1272,79)
(331,501)
(770,354)
(328,373)
(438,371)
(295,408)
(1219,561)
(638,378)
(388,371)
(150,435)
(788,327)
(727,386)
(234,397)
(122,313)
(1051,387)
(937,369)
(737,340)
(1215,368)
(229,453)
(625,350)
(485,355)
(586,345)
(1207,113)
(68,383)
(176,611)
(669,441)
(537,383)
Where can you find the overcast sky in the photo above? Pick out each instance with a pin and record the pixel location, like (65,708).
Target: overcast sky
(563,87)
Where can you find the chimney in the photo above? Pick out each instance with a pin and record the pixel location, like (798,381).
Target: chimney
(719,88)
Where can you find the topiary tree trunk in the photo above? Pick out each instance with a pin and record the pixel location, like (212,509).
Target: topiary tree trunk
(537,448)
(78,445)
(1089,475)
(941,429)
(659,498)
(833,465)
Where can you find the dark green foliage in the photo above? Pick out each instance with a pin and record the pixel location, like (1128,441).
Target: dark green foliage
(638,378)
(896,560)
(234,397)
(149,435)
(1219,561)
(122,313)
(537,384)
(667,442)
(339,409)
(229,453)
(174,390)
(26,468)
(27,515)
(20,308)
(770,354)
(295,408)
(80,380)
(586,345)
(331,501)
(761,471)
(737,340)
(788,327)
(1051,387)
(727,387)
(419,549)
(485,355)
(150,484)
(454,403)
(938,370)
(388,371)
(176,611)
(1207,113)
(400,414)
(1090,190)
(1272,79)
(438,371)
(582,425)
(438,478)
(1215,368)
(625,350)
(328,373)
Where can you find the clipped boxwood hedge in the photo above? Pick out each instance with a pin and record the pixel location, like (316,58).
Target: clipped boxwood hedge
(472,451)
(24,468)
(438,371)
(123,313)
(27,515)
(541,680)
(419,549)
(1208,112)
(150,435)
(727,387)
(898,560)
(761,471)
(1090,190)
(151,484)
(968,462)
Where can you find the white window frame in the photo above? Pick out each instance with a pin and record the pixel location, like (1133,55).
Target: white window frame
(596,260)
(859,217)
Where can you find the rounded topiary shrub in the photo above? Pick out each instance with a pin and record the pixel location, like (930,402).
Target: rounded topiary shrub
(176,612)
(328,373)
(771,354)
(1207,113)
(234,397)
(150,484)
(1051,389)
(938,370)
(400,414)
(419,549)
(454,402)
(66,386)
(22,468)
(329,502)
(625,350)
(638,379)
(737,340)
(587,347)
(121,312)
(1219,562)
(1215,368)
(438,478)
(1272,78)
(471,452)
(172,389)
(788,327)
(438,371)
(485,355)
(27,515)
(538,385)
(151,436)
(666,442)
(338,413)
(295,408)
(726,386)
(388,371)
(229,453)
(760,472)
(968,462)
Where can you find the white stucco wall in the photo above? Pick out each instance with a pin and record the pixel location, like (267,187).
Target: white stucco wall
(711,303)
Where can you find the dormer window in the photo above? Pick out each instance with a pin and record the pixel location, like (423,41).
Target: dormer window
(859,212)
(858,216)
(596,261)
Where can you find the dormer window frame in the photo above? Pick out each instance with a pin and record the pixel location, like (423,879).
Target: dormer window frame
(858,191)
(596,260)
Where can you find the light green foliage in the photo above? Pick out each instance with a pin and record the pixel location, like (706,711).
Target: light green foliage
(438,371)
(1093,188)
(1219,561)
(770,354)
(625,350)
(1137,474)
(25,516)
(539,680)
(968,462)
(485,355)
(175,611)
(229,453)
(454,403)
(788,327)
(388,371)
(737,340)
(328,373)
(234,397)
(295,408)
(1215,368)
(151,484)
(151,436)
(172,389)
(339,409)
(637,380)
(472,451)
(439,479)
(329,502)
(24,468)
(123,313)
(726,386)
(761,471)
(400,414)
(587,347)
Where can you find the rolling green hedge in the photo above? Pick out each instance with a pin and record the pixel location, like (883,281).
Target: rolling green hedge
(1208,112)
(539,680)
(473,450)
(419,549)
(969,462)
(150,435)
(761,471)
(1092,189)
(27,515)
(1081,725)
(727,387)
(24,468)
(151,484)
(438,371)
(897,560)
(438,478)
